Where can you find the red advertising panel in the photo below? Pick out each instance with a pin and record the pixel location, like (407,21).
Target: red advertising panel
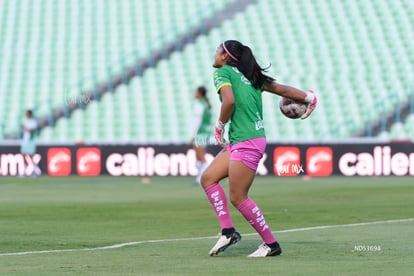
(319,161)
(59,161)
(88,161)
(286,161)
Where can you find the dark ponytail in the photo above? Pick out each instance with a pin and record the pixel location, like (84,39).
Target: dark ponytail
(243,59)
(203,92)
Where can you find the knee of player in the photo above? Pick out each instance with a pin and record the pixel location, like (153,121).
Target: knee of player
(237,198)
(206,179)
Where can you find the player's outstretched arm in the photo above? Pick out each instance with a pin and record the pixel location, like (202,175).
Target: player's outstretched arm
(294,94)
(285,91)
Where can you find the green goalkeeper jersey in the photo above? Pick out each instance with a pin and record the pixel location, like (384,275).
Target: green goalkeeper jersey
(246,121)
(206,127)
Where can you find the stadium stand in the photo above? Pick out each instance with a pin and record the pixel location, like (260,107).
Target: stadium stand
(357,55)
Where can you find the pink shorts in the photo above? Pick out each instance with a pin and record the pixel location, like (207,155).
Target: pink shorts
(249,152)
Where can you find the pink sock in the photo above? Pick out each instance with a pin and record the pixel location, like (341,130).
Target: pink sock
(254,216)
(217,197)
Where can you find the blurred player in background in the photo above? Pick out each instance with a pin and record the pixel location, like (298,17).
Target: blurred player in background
(202,129)
(28,145)
(239,81)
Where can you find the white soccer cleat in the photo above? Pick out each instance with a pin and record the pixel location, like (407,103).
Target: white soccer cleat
(265,251)
(224,242)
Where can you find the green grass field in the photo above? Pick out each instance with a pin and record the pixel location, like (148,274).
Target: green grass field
(166,227)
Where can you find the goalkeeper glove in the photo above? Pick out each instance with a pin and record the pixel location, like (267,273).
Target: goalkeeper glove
(311,101)
(219,132)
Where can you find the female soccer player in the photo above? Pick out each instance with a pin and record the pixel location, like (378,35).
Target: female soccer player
(202,129)
(28,145)
(239,81)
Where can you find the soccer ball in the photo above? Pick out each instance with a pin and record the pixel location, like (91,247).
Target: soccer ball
(292,109)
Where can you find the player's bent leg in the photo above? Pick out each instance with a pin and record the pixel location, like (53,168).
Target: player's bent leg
(240,180)
(217,170)
(241,177)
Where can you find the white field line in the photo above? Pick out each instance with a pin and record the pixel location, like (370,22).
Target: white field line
(204,238)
